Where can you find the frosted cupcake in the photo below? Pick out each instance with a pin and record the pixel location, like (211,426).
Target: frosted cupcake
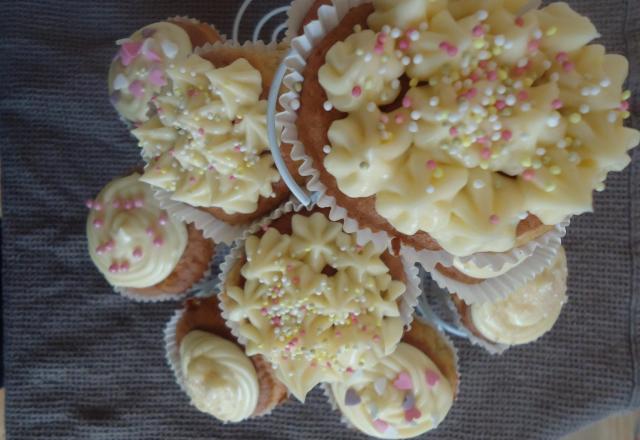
(407,393)
(451,126)
(525,315)
(138,247)
(213,369)
(137,73)
(318,306)
(207,146)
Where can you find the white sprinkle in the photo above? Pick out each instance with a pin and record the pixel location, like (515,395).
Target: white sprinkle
(562,144)
(595,91)
(499,40)
(406,61)
(418,59)
(415,115)
(121,82)
(359,52)
(395,33)
(605,82)
(517,85)
(537,34)
(368,57)
(386,29)
(382,70)
(540,151)
(546,64)
(327,106)
(612,117)
(295,104)
(482,15)
(524,136)
(463,107)
(510,100)
(555,76)
(326,149)
(501,89)
(413,127)
(574,157)
(454,117)
(484,55)
(553,120)
(508,44)
(434,101)
(430,189)
(493,118)
(371,107)
(423,26)
(485,100)
(414,35)
(525,107)
(477,184)
(497,125)
(496,136)
(523,215)
(478,109)
(584,108)
(522,62)
(585,91)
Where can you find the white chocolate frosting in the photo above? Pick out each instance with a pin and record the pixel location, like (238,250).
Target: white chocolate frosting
(527,313)
(209,138)
(132,241)
(403,396)
(137,73)
(220,379)
(509,112)
(314,303)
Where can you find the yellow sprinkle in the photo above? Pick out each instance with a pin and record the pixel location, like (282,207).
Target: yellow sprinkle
(502,74)
(536,164)
(484,165)
(555,170)
(438,173)
(466,141)
(496,51)
(413,82)
(552,31)
(479,44)
(575,118)
(526,162)
(625,114)
(549,187)
(626,95)
(495,155)
(528,82)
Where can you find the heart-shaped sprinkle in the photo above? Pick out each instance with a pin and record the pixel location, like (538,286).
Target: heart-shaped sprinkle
(137,89)
(432,378)
(129,51)
(412,414)
(170,49)
(351,397)
(403,382)
(148,32)
(380,425)
(409,401)
(380,385)
(156,77)
(120,82)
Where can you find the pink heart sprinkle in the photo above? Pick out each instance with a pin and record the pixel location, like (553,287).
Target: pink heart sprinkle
(129,51)
(403,382)
(156,77)
(380,425)
(412,414)
(432,378)
(137,89)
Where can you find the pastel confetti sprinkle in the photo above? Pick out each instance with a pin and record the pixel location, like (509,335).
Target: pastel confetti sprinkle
(129,51)
(351,397)
(403,381)
(412,414)
(432,378)
(380,425)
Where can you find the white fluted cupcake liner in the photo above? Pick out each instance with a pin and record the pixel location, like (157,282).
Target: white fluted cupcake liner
(408,300)
(295,16)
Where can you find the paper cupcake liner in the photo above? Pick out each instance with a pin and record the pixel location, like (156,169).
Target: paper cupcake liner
(203,285)
(490,289)
(326,387)
(295,16)
(407,303)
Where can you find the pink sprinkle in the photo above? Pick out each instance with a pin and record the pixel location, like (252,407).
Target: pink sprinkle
(264,311)
(128,204)
(448,48)
(500,104)
(100,250)
(293,342)
(201,131)
(232,177)
(431,164)
(556,104)
(432,378)
(354,318)
(453,131)
(113,268)
(171,152)
(150,232)
(528,174)
(568,66)
(192,92)
(494,219)
(237,148)
(399,119)
(624,105)
(384,119)
(129,51)
(156,77)
(403,44)
(97,206)
(124,266)
(295,280)
(483,64)
(381,37)
(452,51)
(338,333)
(376,338)
(403,381)
(485,153)
(137,89)
(137,253)
(561,57)
(109,245)
(519,71)
(162,220)
(138,203)
(356,91)
(533,45)
(378,49)
(471,93)
(116,204)
(380,425)
(192,179)
(349,370)
(412,414)
(523,95)
(506,135)
(492,75)
(89,203)
(276,321)
(484,140)
(478,30)
(158,241)
(519,21)
(406,102)
(98,223)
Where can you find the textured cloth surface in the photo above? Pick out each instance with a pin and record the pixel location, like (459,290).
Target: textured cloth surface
(84,363)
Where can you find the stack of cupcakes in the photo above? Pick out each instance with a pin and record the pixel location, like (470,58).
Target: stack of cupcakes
(459,135)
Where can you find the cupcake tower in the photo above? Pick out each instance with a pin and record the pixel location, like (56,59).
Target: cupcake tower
(459,135)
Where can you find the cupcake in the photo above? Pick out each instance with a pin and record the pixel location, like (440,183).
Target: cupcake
(213,369)
(452,127)
(207,147)
(302,293)
(407,393)
(137,73)
(525,315)
(141,250)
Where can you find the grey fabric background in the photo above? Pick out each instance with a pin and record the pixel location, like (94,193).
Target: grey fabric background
(84,363)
